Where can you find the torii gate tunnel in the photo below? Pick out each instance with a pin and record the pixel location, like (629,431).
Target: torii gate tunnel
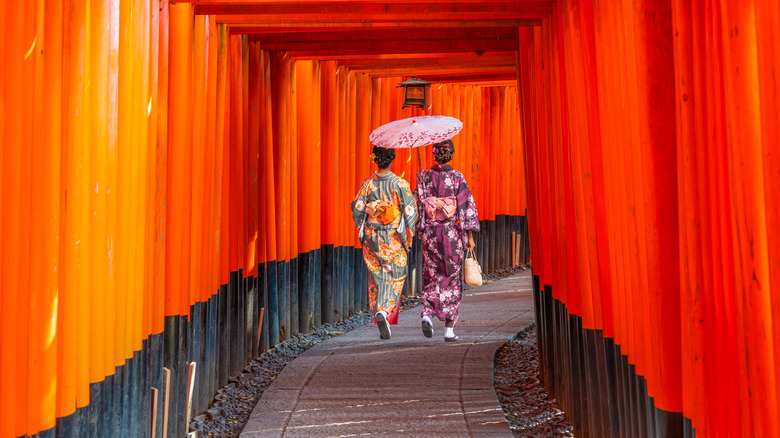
(170,169)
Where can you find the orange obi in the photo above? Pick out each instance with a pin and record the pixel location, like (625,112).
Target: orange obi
(384,212)
(441,208)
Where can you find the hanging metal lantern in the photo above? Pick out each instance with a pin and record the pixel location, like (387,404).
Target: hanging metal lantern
(415,92)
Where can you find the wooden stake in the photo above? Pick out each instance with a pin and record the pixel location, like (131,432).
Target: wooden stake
(514,246)
(260,328)
(154,412)
(190,391)
(521,248)
(167,381)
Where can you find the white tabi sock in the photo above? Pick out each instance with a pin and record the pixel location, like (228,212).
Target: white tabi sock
(449,332)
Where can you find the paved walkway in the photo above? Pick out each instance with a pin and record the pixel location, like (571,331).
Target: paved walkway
(409,385)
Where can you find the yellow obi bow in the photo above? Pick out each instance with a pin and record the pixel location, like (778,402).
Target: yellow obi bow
(383,211)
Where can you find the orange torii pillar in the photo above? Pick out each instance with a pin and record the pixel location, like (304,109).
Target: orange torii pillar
(650,181)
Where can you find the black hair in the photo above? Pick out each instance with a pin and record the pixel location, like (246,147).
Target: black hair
(446,151)
(383,157)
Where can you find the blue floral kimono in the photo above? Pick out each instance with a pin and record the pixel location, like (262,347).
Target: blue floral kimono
(385,213)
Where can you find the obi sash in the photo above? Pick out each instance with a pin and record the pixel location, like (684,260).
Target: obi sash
(386,215)
(441,208)
(384,212)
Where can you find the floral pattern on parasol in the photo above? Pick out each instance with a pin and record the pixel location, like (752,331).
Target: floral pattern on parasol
(415,131)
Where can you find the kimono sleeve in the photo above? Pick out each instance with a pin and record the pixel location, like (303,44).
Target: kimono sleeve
(409,208)
(419,198)
(359,204)
(467,209)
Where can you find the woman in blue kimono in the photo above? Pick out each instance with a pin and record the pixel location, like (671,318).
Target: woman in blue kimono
(385,214)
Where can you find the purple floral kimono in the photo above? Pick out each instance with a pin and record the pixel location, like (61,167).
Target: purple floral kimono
(444,239)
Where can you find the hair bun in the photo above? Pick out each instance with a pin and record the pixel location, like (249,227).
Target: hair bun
(443,151)
(383,157)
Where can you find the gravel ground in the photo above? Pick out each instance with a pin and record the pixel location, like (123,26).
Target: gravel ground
(522,395)
(516,379)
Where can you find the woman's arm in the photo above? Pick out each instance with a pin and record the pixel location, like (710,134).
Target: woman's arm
(467,208)
(419,199)
(359,204)
(408,205)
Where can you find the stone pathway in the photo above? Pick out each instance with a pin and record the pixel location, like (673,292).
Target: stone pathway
(356,384)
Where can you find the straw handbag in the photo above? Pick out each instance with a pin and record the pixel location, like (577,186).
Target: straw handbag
(473,273)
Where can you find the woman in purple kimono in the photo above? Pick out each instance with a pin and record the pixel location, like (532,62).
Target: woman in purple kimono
(448,215)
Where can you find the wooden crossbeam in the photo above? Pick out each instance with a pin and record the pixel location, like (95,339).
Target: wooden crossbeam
(372,11)
(251,26)
(486,84)
(335,55)
(452,62)
(390,72)
(463,41)
(420,56)
(510,78)
(384,34)
(325,28)
(245,2)
(415,46)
